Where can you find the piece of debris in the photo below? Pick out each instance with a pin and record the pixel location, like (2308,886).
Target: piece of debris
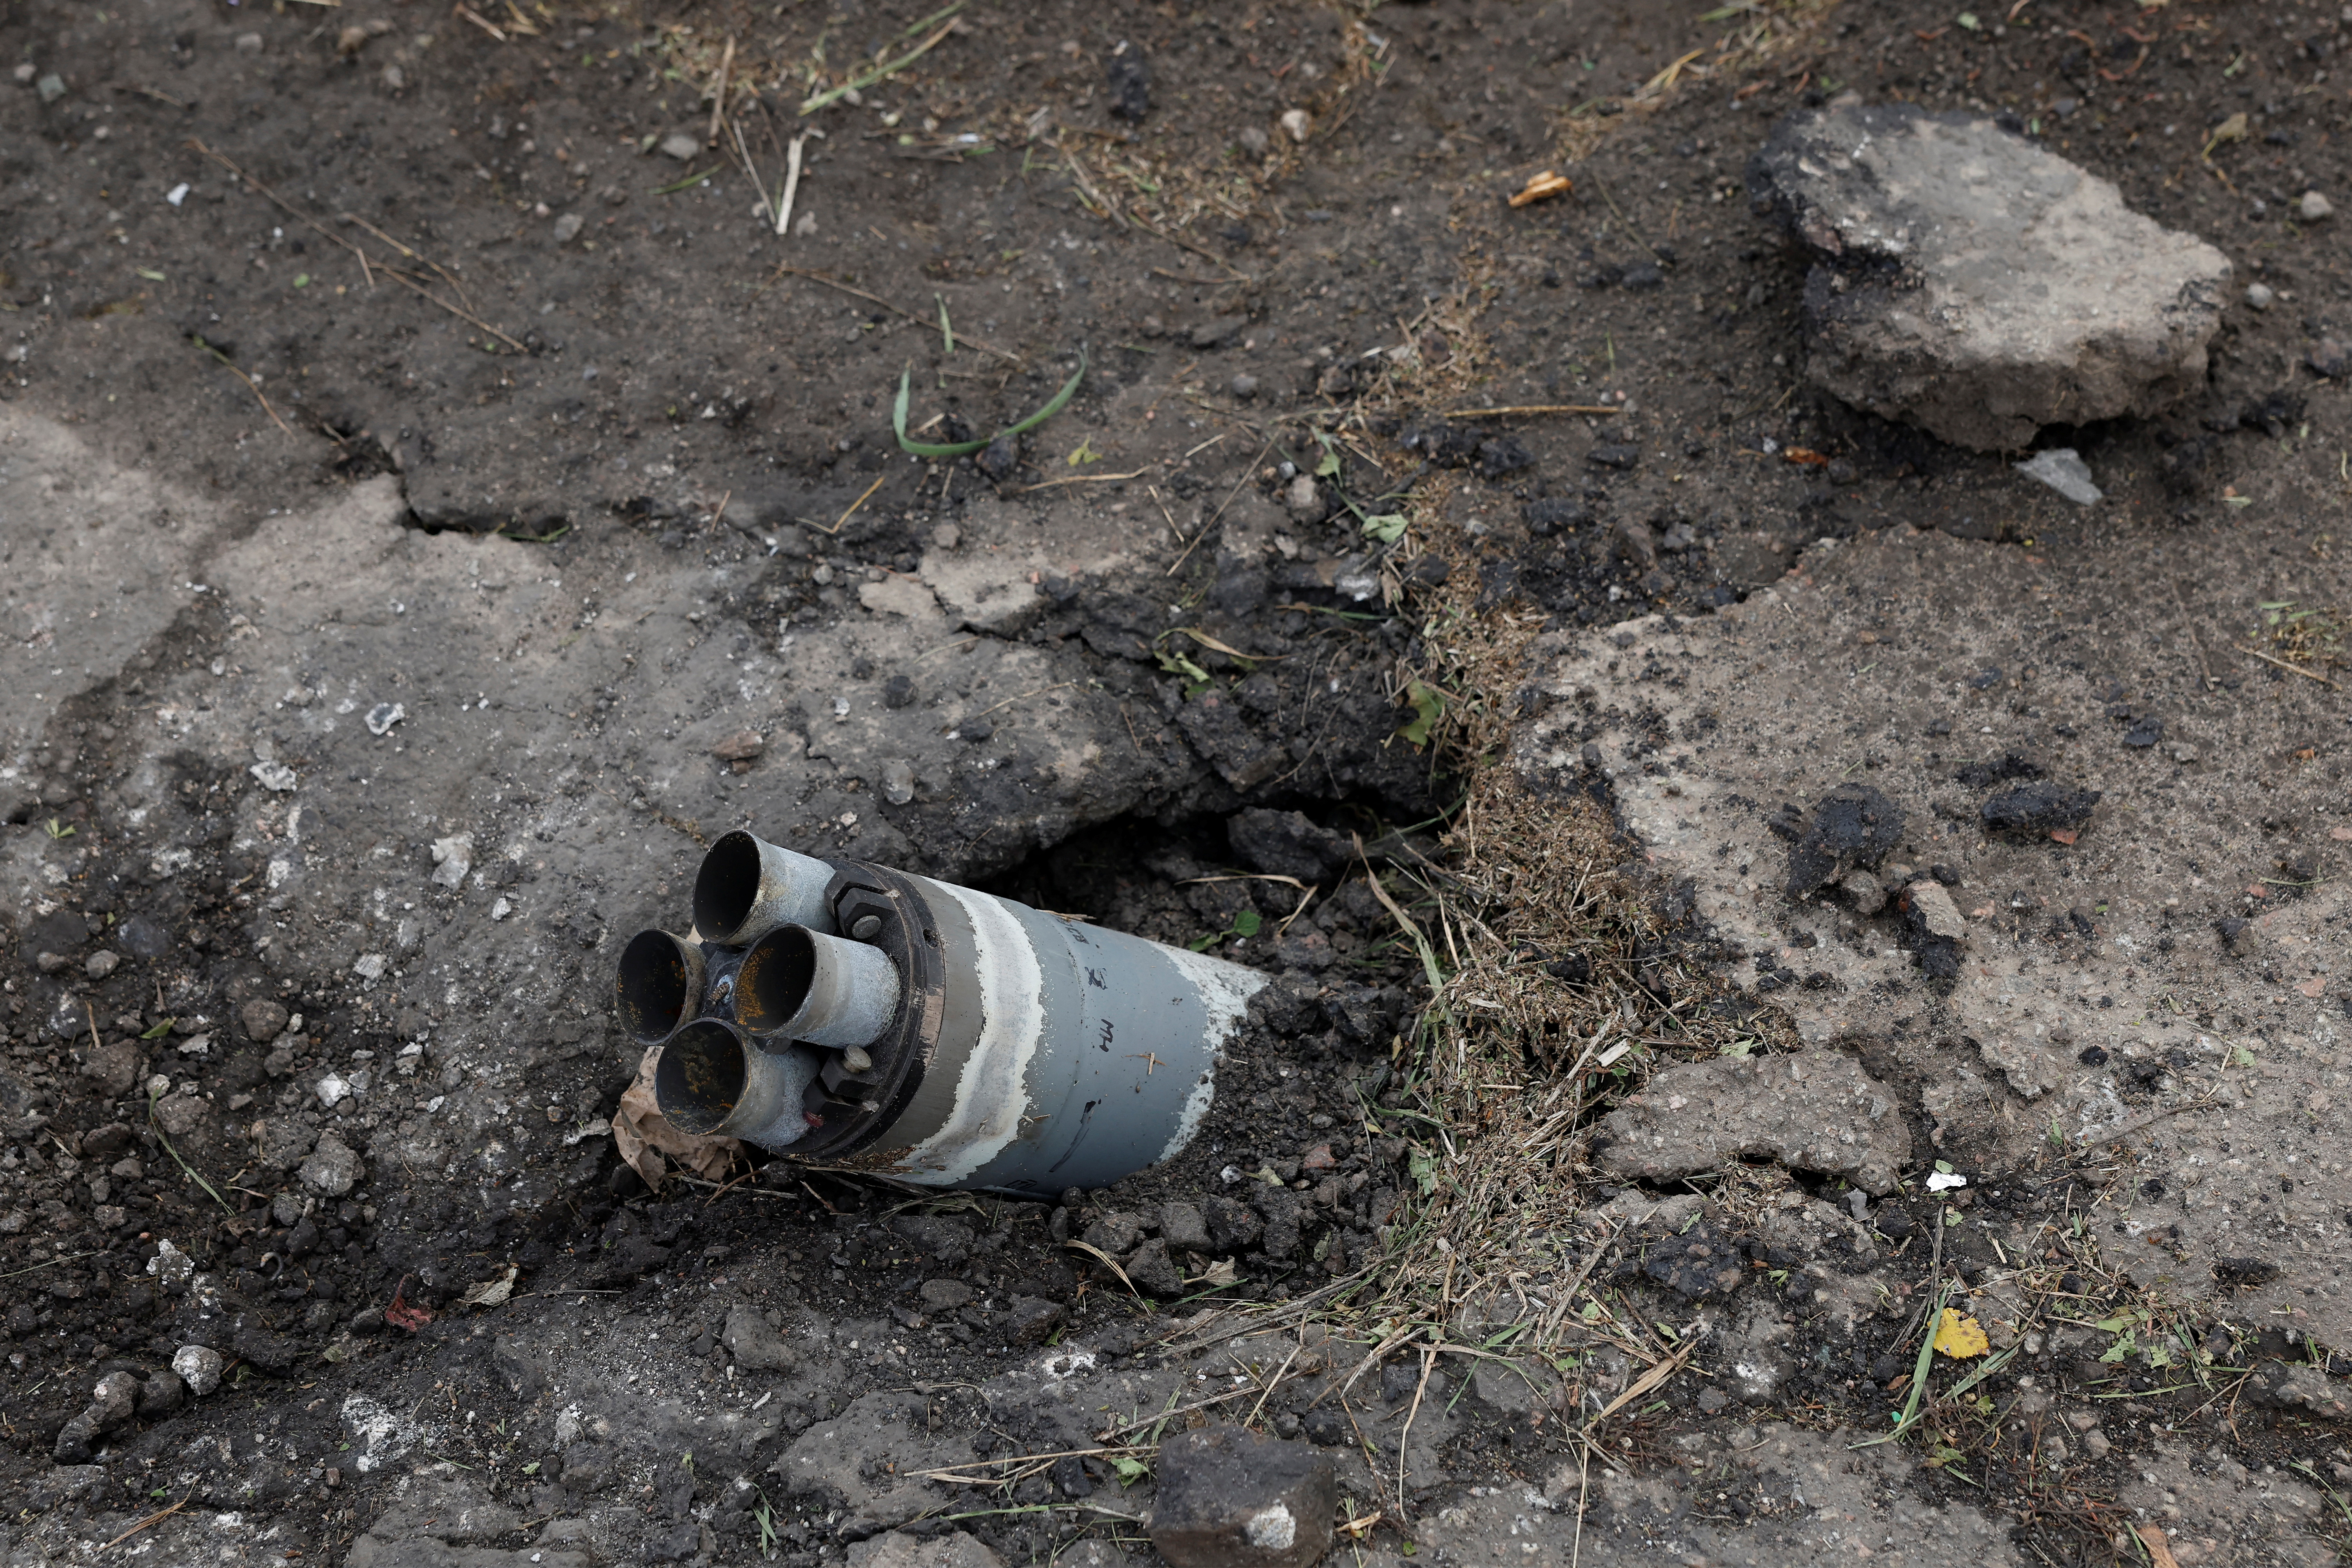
(1933,928)
(643,1135)
(2038,807)
(1958,1336)
(1976,284)
(383,716)
(2063,470)
(491,1292)
(1127,78)
(1699,1262)
(1853,827)
(1813,1110)
(402,1314)
(199,1368)
(1294,121)
(1539,186)
(1231,1497)
(740,747)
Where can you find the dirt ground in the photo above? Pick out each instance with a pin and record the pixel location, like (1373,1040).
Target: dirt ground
(436,502)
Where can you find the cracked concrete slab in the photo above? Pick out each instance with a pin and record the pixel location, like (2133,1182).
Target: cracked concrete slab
(2167,979)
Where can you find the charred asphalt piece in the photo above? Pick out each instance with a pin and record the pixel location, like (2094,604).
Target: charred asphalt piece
(1853,828)
(842,1011)
(2038,807)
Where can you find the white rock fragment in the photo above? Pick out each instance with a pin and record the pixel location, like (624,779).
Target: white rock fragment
(198,1367)
(275,777)
(1294,121)
(332,1091)
(1936,912)
(369,966)
(452,857)
(2316,207)
(177,194)
(383,716)
(1945,1181)
(2063,470)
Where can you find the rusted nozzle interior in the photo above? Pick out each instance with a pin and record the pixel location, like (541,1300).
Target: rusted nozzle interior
(748,886)
(801,984)
(700,1079)
(711,1079)
(659,985)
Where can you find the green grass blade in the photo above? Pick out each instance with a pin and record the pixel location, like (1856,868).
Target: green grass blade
(958,448)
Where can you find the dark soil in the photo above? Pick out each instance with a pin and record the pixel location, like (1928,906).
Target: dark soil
(665,368)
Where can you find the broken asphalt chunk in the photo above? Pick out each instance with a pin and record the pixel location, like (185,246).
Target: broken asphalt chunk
(1813,1110)
(1853,827)
(2038,807)
(1974,284)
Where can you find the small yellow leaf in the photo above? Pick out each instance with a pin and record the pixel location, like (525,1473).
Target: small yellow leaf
(1961,1337)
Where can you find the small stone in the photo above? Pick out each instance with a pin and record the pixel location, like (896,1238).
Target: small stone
(332,1168)
(1151,1270)
(1181,1227)
(1935,911)
(248,43)
(2182,752)
(1863,890)
(114,1398)
(1115,1233)
(264,1020)
(898,691)
(101,963)
(198,1368)
(568,227)
(740,747)
(381,718)
(452,857)
(1303,499)
(1253,141)
(944,1295)
(332,1091)
(1215,332)
(161,1394)
(2316,207)
(2095,1445)
(2259,296)
(113,1068)
(677,144)
(754,1343)
(1029,1320)
(1295,124)
(897,781)
(1230,1498)
(1244,386)
(51,963)
(77,1440)
(946,536)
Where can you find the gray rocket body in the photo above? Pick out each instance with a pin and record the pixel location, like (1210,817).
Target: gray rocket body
(926,1032)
